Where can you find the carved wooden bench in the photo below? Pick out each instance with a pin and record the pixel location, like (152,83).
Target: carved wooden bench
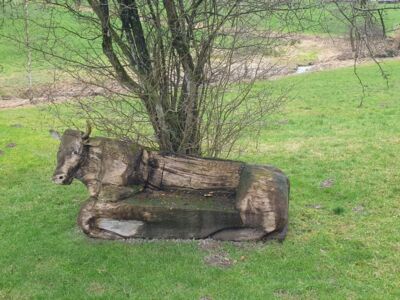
(180,197)
(187,197)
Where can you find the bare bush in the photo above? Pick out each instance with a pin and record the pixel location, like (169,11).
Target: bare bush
(185,71)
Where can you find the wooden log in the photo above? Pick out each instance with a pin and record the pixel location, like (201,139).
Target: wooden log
(171,172)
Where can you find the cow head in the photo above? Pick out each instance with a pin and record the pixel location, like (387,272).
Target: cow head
(70,154)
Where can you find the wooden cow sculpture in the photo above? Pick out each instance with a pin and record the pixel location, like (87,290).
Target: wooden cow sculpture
(135,192)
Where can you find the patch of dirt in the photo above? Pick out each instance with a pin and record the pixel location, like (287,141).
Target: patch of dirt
(315,206)
(327,183)
(209,245)
(220,260)
(250,245)
(320,53)
(359,209)
(55,93)
(11,145)
(1,152)
(283,294)
(14,103)
(216,257)
(319,49)
(96,289)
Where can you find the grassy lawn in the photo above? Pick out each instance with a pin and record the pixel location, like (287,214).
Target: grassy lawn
(343,242)
(325,19)
(14,54)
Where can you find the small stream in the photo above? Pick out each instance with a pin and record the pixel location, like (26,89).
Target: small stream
(304,69)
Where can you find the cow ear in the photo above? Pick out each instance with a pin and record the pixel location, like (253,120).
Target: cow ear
(92,142)
(55,134)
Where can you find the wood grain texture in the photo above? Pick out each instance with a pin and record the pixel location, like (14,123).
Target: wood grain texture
(166,171)
(263,198)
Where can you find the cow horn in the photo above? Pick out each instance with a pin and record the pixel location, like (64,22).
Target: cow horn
(88,131)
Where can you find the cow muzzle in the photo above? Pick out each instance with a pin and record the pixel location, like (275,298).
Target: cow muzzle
(62,179)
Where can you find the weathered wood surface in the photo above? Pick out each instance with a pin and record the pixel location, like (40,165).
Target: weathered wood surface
(167,171)
(223,199)
(256,209)
(263,198)
(159,215)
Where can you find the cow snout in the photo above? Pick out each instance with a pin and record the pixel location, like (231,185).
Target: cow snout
(61,179)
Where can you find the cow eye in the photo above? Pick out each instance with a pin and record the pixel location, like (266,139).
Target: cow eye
(75,152)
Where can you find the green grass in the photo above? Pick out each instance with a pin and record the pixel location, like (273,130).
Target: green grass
(343,241)
(49,43)
(326,19)
(347,247)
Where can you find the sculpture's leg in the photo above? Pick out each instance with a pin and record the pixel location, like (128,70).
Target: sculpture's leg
(107,220)
(249,234)
(87,218)
(262,199)
(239,234)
